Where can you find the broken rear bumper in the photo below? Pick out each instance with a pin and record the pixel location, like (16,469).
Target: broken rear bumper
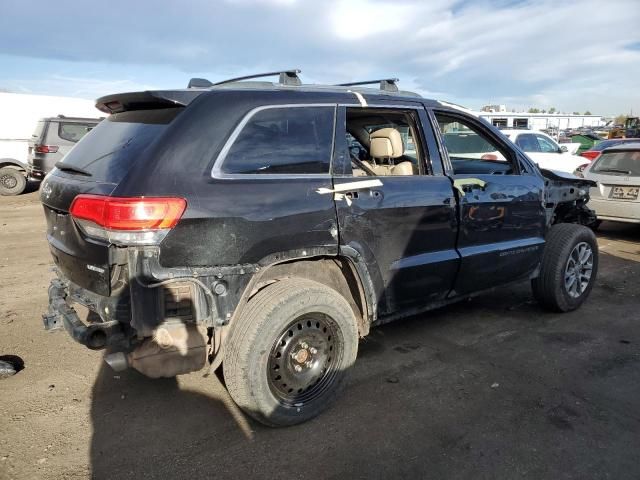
(95,336)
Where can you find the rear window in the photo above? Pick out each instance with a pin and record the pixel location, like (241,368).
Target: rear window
(73,132)
(115,144)
(37,134)
(618,163)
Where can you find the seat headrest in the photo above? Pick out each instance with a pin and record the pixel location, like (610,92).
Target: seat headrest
(386,142)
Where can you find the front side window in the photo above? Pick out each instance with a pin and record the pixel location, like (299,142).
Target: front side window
(528,142)
(547,145)
(471,150)
(73,132)
(283,140)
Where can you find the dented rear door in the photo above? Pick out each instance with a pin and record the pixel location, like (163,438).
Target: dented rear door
(404,227)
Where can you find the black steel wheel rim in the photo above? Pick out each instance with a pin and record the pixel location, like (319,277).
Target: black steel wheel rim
(8,181)
(304,360)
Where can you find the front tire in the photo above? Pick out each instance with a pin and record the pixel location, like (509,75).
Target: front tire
(569,268)
(12,181)
(289,351)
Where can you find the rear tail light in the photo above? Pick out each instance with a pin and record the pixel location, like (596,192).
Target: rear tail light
(46,148)
(578,171)
(127,221)
(590,154)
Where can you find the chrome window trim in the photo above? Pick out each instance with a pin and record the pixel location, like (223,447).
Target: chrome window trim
(216,171)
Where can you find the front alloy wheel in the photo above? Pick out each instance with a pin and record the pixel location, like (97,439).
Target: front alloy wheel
(568,269)
(577,273)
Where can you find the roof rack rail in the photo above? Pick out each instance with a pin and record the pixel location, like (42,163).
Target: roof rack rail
(386,84)
(287,77)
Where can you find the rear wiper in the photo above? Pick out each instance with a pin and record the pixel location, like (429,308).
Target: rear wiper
(614,170)
(69,168)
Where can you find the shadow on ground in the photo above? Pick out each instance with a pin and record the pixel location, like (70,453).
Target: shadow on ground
(490,388)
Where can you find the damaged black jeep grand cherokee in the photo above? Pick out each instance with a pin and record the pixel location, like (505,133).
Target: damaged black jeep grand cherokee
(265,227)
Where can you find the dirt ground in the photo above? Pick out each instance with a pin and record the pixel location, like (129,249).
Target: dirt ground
(491,388)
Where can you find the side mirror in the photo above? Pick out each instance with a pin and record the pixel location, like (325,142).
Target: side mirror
(563,149)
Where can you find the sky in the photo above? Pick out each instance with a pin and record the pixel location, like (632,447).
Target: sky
(571,55)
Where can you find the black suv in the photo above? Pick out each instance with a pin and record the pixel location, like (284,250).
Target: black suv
(265,227)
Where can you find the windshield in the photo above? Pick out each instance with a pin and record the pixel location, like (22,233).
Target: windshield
(108,151)
(618,163)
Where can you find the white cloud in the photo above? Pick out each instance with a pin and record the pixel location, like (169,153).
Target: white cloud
(357,19)
(571,55)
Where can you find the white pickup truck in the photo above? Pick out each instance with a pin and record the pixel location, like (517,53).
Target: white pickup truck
(13,165)
(544,150)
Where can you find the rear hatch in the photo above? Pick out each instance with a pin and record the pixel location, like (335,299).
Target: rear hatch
(37,139)
(96,166)
(617,173)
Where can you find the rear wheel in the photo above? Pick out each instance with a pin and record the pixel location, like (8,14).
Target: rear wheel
(12,181)
(288,353)
(569,267)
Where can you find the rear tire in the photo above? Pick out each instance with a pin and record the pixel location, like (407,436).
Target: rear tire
(569,268)
(288,352)
(12,181)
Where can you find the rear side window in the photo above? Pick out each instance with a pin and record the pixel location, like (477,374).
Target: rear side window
(115,144)
(283,140)
(73,132)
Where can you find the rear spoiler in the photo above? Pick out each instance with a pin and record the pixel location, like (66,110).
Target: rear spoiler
(149,100)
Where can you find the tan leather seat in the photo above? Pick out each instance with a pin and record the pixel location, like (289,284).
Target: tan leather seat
(385,146)
(403,168)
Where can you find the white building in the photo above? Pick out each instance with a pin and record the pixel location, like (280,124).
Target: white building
(540,121)
(494,108)
(20,112)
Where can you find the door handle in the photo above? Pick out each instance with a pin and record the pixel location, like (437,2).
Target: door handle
(351,195)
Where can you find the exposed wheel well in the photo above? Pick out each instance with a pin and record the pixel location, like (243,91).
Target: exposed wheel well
(335,272)
(12,164)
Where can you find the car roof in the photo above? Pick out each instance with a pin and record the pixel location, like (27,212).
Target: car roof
(62,118)
(183,97)
(624,147)
(289,83)
(516,130)
(601,145)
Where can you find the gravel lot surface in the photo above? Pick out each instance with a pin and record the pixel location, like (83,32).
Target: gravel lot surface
(490,388)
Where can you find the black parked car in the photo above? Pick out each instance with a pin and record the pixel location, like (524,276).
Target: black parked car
(232,225)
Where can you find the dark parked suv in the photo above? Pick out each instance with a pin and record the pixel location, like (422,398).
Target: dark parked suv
(265,227)
(52,140)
